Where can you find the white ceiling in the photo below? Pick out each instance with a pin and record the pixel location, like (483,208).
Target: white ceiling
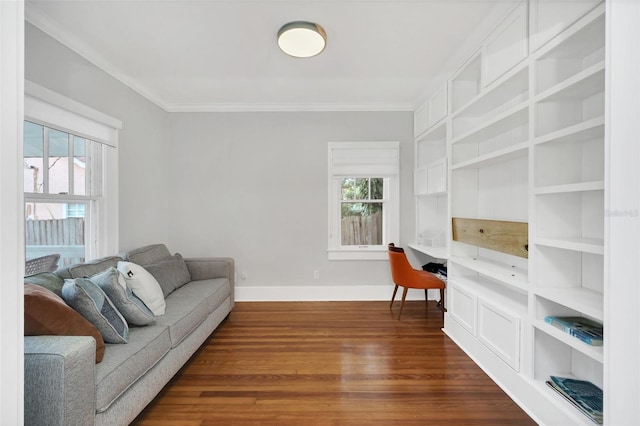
(212,55)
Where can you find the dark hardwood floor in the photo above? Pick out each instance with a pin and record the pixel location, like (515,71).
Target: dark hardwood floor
(321,363)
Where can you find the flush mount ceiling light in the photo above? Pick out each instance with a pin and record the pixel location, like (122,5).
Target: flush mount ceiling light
(302,39)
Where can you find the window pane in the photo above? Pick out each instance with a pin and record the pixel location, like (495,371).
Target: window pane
(75,210)
(377,188)
(33,153)
(348,188)
(48,230)
(79,165)
(361,224)
(362,189)
(58,162)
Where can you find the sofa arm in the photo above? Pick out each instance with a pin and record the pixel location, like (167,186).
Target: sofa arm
(59,380)
(204,268)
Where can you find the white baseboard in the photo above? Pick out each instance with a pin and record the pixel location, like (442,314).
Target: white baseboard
(324,293)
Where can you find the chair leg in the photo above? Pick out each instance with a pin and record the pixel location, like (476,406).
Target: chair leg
(395,290)
(426,297)
(441,302)
(404,296)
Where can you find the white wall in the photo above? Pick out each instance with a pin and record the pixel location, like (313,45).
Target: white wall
(253,186)
(142,158)
(11,219)
(622,347)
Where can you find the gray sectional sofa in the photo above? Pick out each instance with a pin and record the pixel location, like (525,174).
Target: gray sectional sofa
(65,386)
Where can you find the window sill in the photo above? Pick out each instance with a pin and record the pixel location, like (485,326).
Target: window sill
(358,254)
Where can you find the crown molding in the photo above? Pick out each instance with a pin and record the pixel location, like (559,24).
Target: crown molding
(290,107)
(35,16)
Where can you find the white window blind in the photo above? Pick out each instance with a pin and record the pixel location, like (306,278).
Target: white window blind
(364,159)
(51,109)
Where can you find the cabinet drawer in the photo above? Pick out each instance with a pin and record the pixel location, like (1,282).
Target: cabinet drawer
(462,306)
(500,332)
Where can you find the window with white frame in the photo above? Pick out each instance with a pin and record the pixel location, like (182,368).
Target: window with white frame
(363,199)
(70,178)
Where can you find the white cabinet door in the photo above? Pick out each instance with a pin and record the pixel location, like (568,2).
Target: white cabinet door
(420,181)
(437,177)
(499,331)
(438,105)
(507,45)
(462,305)
(550,17)
(421,119)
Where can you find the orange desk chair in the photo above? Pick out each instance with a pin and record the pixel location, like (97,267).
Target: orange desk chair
(405,276)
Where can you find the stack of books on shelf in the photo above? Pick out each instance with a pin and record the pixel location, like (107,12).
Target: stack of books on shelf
(584,395)
(584,329)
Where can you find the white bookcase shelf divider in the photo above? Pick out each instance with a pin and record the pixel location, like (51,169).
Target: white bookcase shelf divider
(594,352)
(509,275)
(584,300)
(582,131)
(505,154)
(572,187)
(437,252)
(585,245)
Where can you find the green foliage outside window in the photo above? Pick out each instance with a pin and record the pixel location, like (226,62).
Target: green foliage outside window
(359,195)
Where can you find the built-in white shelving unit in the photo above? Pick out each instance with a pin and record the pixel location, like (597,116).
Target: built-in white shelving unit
(430,176)
(568,193)
(522,140)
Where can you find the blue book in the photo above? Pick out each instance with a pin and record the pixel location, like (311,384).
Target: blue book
(584,329)
(584,395)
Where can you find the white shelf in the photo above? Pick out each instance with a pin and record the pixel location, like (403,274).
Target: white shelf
(586,245)
(583,84)
(570,187)
(506,274)
(559,401)
(509,119)
(506,154)
(436,133)
(594,352)
(589,302)
(488,290)
(465,84)
(580,132)
(435,252)
(488,101)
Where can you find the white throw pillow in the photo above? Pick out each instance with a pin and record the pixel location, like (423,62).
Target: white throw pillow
(144,286)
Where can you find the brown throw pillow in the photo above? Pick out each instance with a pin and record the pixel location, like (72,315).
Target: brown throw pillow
(46,314)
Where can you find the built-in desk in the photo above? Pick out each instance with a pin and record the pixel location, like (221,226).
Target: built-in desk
(435,252)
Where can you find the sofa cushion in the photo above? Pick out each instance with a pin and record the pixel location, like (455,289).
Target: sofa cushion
(189,305)
(123,365)
(46,314)
(89,300)
(144,286)
(147,254)
(87,269)
(114,285)
(48,280)
(171,273)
